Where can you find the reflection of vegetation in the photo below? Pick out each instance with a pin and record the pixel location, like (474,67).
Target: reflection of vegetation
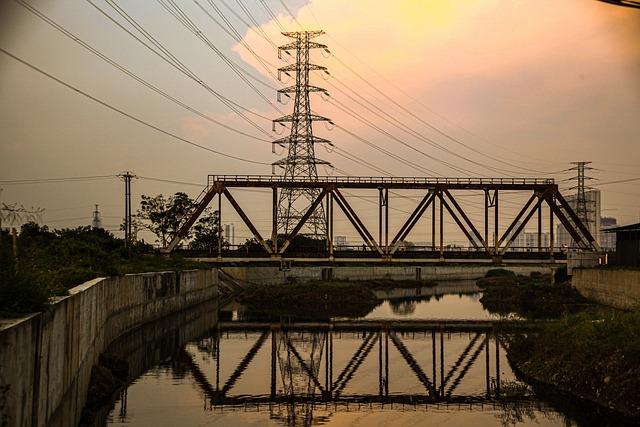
(402,307)
(515,412)
(514,402)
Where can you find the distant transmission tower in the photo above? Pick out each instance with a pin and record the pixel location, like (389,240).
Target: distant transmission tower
(581,200)
(96,222)
(301,161)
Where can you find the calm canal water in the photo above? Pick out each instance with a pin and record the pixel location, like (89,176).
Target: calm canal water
(356,373)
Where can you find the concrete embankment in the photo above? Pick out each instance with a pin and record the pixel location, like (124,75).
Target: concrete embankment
(272,275)
(617,288)
(46,359)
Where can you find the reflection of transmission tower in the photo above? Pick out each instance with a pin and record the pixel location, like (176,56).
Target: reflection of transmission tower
(300,161)
(299,358)
(581,200)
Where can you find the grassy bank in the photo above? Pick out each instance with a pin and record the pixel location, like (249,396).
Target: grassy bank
(531,297)
(589,351)
(593,355)
(311,300)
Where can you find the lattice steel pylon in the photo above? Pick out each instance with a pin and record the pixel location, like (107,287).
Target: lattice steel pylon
(581,199)
(301,161)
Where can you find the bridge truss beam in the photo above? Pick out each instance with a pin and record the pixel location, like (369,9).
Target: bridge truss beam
(315,380)
(434,192)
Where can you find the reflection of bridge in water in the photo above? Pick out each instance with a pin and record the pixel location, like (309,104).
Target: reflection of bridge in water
(303,368)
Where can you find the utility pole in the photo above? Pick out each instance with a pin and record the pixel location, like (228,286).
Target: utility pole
(301,161)
(126,177)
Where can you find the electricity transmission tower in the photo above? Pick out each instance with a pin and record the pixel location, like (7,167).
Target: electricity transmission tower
(581,200)
(16,215)
(96,222)
(301,161)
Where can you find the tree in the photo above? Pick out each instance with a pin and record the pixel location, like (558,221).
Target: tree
(206,231)
(163,216)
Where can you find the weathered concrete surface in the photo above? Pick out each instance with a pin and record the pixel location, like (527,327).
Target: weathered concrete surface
(616,287)
(46,358)
(584,260)
(270,275)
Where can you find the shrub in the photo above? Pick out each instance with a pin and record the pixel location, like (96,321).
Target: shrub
(21,294)
(560,275)
(500,272)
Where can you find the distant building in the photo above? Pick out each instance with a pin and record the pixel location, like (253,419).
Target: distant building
(340,242)
(230,234)
(592,202)
(608,240)
(528,241)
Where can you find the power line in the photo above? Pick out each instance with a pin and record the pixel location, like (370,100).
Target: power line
(143,81)
(57,180)
(183,18)
(136,119)
(400,125)
(621,181)
(410,97)
(170,59)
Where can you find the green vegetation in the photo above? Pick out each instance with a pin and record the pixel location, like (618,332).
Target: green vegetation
(312,300)
(594,355)
(531,296)
(588,351)
(43,263)
(164,216)
(500,272)
(38,263)
(561,275)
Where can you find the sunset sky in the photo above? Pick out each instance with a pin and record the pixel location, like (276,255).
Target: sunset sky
(175,91)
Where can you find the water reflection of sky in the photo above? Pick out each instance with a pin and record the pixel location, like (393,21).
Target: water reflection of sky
(171,393)
(448,300)
(464,307)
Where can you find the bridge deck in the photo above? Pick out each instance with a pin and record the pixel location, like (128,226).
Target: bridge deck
(269,181)
(378,325)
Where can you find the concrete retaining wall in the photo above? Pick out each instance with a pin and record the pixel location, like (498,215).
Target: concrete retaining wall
(46,359)
(269,275)
(616,288)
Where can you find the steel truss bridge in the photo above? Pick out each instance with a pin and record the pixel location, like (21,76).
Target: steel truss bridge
(486,240)
(303,370)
